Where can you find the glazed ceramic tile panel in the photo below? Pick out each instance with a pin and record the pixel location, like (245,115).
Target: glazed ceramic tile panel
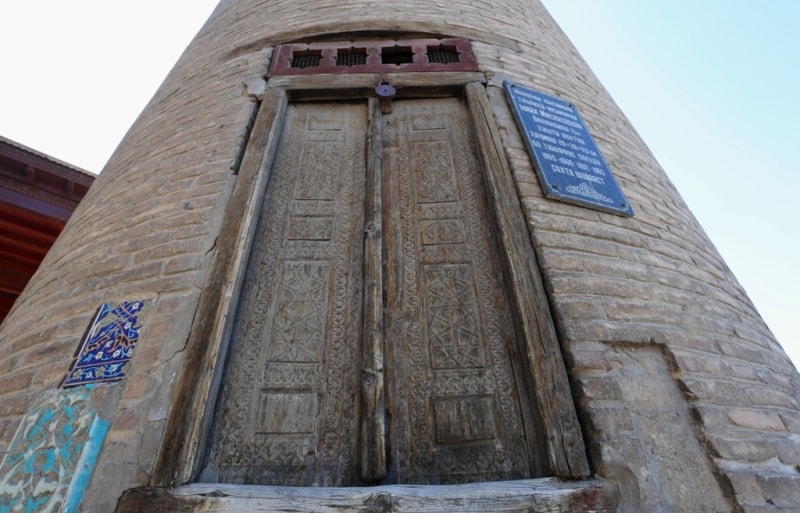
(108,345)
(52,455)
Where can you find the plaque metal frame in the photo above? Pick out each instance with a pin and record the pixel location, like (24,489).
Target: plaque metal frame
(566,157)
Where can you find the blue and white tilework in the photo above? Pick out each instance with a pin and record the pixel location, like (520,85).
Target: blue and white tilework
(108,345)
(52,456)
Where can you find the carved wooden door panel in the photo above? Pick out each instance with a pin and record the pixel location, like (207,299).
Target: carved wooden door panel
(286,411)
(454,407)
(293,409)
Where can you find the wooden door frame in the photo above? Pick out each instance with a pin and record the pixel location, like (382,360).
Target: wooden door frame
(188,423)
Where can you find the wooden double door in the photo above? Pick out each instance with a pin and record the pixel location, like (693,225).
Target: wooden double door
(373,341)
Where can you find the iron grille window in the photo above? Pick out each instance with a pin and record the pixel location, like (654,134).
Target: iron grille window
(373,56)
(397,55)
(307,59)
(351,57)
(442,54)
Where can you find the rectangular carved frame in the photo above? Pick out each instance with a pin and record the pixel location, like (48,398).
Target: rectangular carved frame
(188,423)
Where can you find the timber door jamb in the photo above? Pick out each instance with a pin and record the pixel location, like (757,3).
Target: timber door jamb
(185,433)
(564,448)
(184,440)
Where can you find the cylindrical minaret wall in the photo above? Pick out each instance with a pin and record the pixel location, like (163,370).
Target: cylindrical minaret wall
(685,399)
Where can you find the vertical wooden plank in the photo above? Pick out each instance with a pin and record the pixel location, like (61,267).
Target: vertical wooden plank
(287,409)
(456,409)
(556,410)
(187,425)
(373,440)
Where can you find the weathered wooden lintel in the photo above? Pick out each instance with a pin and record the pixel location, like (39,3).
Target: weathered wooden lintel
(524,496)
(362,85)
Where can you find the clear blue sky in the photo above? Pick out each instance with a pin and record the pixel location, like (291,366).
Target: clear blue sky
(711,85)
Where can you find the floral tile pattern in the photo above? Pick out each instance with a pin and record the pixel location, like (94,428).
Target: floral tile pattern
(107,346)
(52,456)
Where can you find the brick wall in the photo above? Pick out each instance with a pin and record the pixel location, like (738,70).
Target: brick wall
(661,343)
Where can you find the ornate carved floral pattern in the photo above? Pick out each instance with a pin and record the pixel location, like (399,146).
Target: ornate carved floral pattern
(451,316)
(287,412)
(300,313)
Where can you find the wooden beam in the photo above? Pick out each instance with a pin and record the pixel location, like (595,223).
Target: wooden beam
(370,80)
(15,262)
(27,198)
(556,410)
(373,418)
(23,248)
(40,222)
(13,283)
(30,233)
(192,408)
(524,496)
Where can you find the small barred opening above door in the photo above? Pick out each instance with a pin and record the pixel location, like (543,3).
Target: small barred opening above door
(374,56)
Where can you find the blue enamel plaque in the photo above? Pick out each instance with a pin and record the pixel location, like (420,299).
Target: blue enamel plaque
(566,157)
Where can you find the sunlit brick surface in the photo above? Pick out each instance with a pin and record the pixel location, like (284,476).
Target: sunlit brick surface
(655,330)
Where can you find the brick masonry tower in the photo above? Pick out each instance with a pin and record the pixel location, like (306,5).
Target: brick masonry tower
(389,257)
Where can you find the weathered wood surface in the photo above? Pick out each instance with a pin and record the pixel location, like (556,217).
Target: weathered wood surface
(555,407)
(188,421)
(455,407)
(410,84)
(287,410)
(373,403)
(287,414)
(341,83)
(525,496)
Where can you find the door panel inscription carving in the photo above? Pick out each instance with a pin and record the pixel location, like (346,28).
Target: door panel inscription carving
(286,413)
(289,410)
(433,165)
(464,419)
(441,231)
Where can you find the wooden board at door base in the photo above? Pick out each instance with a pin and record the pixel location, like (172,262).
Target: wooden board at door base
(521,496)
(297,387)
